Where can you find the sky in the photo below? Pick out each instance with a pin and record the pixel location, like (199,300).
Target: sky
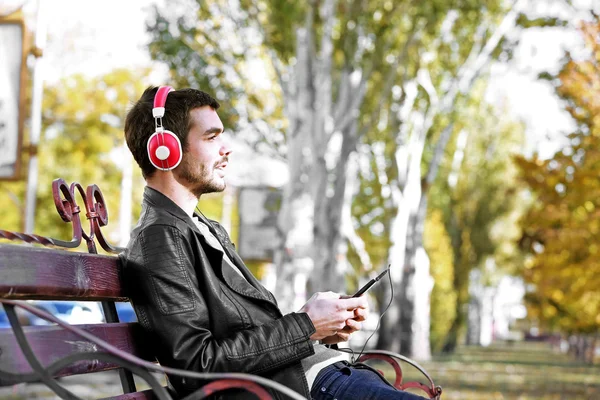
(529,99)
(94,37)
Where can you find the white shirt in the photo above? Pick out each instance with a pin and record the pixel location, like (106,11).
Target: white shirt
(214,242)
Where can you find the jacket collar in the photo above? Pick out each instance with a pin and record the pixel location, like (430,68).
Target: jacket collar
(250,286)
(156,199)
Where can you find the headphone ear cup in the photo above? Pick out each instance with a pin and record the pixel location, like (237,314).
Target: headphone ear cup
(164,150)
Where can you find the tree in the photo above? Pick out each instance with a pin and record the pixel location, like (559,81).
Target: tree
(482,203)
(424,114)
(82,126)
(443,296)
(561,230)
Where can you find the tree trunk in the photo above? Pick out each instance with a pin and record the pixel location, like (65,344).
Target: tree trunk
(417,284)
(461,287)
(327,226)
(390,330)
(474,309)
(403,192)
(311,213)
(292,259)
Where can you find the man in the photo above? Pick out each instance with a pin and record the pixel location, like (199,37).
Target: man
(200,305)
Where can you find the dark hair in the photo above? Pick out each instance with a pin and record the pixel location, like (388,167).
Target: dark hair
(139,123)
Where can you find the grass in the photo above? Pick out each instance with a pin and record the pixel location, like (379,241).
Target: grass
(511,371)
(520,371)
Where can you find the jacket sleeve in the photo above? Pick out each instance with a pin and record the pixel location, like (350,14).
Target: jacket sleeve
(160,274)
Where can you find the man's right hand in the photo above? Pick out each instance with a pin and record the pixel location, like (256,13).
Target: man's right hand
(329,312)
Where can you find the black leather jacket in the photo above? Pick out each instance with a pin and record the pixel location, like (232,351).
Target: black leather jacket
(200,314)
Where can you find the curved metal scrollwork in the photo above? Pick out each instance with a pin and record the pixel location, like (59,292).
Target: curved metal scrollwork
(68,209)
(433,391)
(97,213)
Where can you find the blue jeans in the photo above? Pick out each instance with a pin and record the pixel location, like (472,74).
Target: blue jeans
(342,381)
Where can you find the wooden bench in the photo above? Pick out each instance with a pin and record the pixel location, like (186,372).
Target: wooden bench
(44,353)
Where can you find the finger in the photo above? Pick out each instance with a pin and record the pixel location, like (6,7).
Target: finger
(330,333)
(347,329)
(335,339)
(354,302)
(328,295)
(347,315)
(360,314)
(352,325)
(340,326)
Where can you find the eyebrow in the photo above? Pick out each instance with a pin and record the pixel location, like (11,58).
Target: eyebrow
(213,130)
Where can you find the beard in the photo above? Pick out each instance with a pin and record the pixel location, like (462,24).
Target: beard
(198,178)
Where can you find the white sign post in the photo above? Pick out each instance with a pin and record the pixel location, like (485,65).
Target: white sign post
(258,210)
(12,35)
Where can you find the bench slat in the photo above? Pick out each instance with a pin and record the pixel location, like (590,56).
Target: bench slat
(51,343)
(49,274)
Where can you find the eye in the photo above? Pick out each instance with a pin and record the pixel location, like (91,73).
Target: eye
(215,135)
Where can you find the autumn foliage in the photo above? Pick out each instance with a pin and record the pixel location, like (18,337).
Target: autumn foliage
(561,231)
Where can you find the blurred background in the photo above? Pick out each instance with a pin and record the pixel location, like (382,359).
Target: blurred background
(456,141)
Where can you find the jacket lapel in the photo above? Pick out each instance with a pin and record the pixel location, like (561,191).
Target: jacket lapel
(247,285)
(250,286)
(251,278)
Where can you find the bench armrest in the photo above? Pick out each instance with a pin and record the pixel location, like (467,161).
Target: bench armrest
(432,391)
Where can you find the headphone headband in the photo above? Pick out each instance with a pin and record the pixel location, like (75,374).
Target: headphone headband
(160,99)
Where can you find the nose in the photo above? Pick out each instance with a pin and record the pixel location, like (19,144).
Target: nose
(225,149)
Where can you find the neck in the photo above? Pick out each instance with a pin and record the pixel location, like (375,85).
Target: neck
(178,193)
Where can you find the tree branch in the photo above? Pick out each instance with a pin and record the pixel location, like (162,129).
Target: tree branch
(472,68)
(323,77)
(356,242)
(468,72)
(401,154)
(343,97)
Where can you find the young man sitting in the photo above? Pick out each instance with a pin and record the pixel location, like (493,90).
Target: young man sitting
(192,293)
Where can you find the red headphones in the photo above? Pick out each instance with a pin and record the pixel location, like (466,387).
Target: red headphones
(164,147)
